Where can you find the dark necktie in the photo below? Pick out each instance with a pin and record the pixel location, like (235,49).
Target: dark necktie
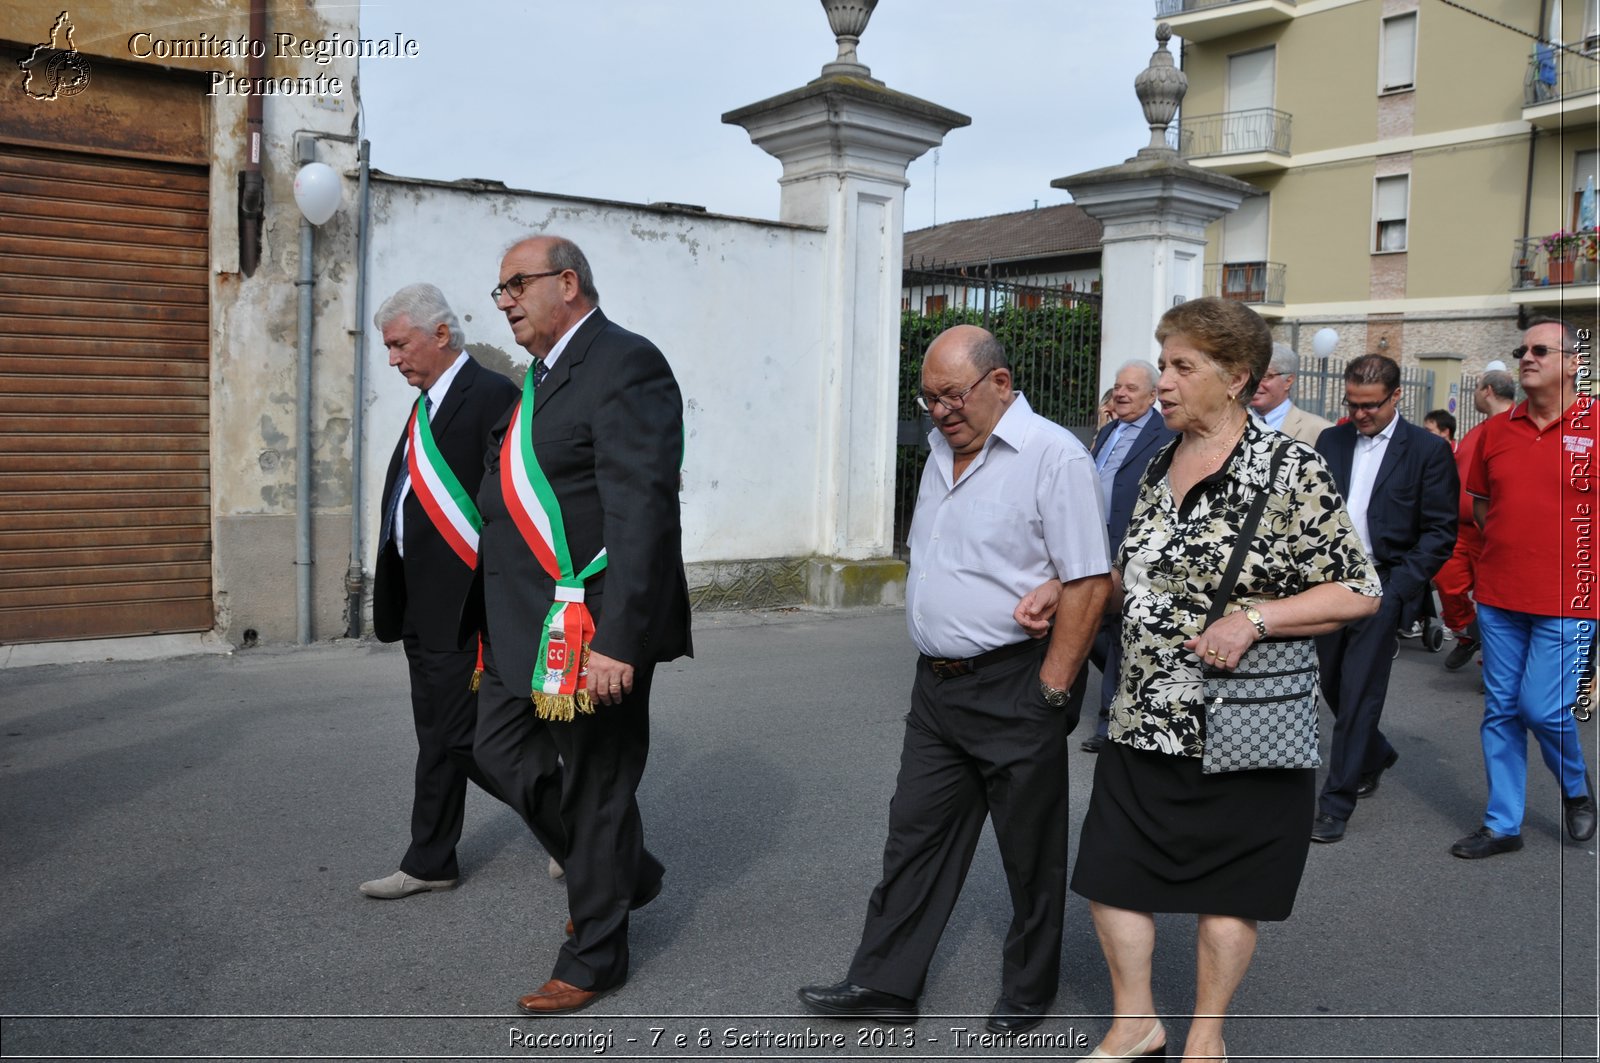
(540,371)
(393,511)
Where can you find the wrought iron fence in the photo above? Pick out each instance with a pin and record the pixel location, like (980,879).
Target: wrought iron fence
(1247,282)
(1556,73)
(1051,333)
(1540,262)
(1235,133)
(1166,8)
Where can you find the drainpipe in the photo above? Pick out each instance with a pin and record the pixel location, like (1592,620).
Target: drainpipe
(252,188)
(307,152)
(353,581)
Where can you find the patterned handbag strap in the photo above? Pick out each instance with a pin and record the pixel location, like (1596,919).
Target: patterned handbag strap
(1241,545)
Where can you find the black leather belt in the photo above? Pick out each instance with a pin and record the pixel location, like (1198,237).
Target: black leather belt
(951,667)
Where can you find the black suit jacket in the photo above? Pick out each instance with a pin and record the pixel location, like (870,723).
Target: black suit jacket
(1125,484)
(1411,517)
(431,580)
(608,433)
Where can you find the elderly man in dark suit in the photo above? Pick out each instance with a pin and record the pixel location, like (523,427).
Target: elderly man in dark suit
(584,593)
(1399,483)
(1122,450)
(427,550)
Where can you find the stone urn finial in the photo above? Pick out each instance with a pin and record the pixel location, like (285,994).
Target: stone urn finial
(848,19)
(1160,87)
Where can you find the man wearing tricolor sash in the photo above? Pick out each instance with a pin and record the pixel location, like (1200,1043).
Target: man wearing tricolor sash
(584,593)
(427,551)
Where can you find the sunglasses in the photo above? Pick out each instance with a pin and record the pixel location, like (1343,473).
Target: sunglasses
(1538,350)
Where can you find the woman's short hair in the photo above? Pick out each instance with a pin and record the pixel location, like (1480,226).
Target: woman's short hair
(1226,331)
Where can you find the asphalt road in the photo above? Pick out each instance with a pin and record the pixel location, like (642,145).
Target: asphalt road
(182,841)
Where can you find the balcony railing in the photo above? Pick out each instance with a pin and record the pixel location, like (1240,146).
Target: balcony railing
(1556,74)
(1532,266)
(1235,133)
(1247,282)
(1168,8)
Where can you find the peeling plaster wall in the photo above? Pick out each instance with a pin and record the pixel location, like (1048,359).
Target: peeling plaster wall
(735,305)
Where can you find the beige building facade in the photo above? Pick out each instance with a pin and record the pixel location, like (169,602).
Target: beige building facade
(1417,158)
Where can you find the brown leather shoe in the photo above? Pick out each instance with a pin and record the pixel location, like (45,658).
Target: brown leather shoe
(570,928)
(556,997)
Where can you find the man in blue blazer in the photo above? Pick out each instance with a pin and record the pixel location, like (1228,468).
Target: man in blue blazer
(1400,487)
(1121,451)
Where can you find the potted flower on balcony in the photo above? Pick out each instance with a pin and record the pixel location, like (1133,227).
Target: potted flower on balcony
(1561,249)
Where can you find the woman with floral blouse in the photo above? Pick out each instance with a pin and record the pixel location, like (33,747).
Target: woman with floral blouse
(1159,835)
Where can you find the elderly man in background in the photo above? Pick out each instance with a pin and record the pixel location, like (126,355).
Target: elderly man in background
(427,550)
(1122,449)
(1532,482)
(1495,394)
(1007,503)
(1272,404)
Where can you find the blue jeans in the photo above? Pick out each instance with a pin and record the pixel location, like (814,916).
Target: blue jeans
(1531,666)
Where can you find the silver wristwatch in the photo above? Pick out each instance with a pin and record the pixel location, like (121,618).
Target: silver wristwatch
(1052,697)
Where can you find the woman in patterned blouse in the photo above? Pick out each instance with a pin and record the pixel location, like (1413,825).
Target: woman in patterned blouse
(1159,835)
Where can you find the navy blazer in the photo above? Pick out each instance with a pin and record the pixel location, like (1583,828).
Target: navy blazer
(431,582)
(1125,484)
(1411,517)
(608,433)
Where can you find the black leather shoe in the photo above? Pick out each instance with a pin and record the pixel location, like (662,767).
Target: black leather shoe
(1327,829)
(1011,1020)
(1093,744)
(1485,842)
(1461,656)
(1369,782)
(1581,815)
(847,1000)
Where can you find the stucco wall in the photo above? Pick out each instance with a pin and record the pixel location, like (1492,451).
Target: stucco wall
(735,305)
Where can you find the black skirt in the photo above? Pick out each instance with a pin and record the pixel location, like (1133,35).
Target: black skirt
(1160,836)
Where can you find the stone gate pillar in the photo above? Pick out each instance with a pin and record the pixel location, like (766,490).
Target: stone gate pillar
(1155,208)
(845,140)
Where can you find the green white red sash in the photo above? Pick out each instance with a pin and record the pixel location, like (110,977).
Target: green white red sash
(443,498)
(561,670)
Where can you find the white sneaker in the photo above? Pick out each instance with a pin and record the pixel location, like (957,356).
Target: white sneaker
(557,872)
(401,884)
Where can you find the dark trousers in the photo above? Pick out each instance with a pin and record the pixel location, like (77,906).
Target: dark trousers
(575,783)
(1354,663)
(1105,653)
(444,710)
(978,745)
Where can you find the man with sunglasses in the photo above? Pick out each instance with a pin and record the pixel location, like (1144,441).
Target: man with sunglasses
(1400,487)
(1534,497)
(1008,501)
(584,593)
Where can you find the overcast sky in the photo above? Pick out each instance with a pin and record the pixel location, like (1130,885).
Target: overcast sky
(622,99)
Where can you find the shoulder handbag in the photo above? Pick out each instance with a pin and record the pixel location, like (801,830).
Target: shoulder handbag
(1263,712)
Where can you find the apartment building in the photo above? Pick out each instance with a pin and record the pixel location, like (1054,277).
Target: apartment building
(1424,162)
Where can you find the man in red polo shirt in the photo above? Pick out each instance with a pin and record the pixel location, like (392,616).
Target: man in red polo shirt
(1534,496)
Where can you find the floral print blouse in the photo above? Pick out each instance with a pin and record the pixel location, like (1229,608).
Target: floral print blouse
(1172,563)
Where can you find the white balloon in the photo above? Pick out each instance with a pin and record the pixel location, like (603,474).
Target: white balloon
(317,191)
(1497,364)
(1323,343)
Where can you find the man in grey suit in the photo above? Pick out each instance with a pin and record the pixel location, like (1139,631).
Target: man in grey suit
(584,592)
(1122,450)
(1273,406)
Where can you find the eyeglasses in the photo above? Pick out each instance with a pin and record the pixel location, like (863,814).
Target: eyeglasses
(1272,376)
(953,403)
(1369,407)
(518,281)
(1538,350)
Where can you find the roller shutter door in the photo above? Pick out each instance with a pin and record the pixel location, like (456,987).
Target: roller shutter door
(105,514)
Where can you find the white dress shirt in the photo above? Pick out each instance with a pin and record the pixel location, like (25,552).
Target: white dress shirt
(1364,466)
(561,344)
(1027,509)
(436,396)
